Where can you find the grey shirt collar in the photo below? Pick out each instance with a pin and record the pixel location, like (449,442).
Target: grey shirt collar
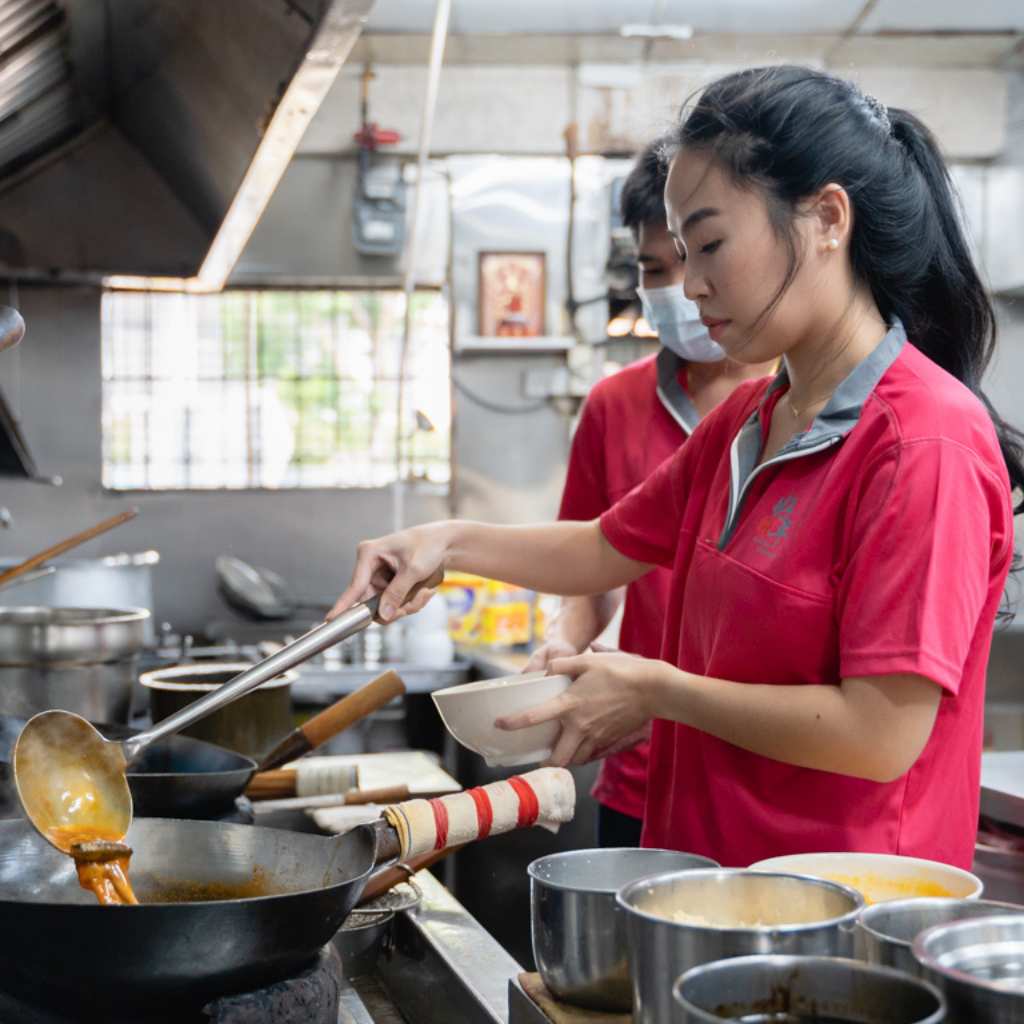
(843,409)
(830,426)
(672,394)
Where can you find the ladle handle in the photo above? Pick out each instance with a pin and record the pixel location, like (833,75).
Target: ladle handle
(307,646)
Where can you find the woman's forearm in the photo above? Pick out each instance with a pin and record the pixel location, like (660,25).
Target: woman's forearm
(580,620)
(868,728)
(567,558)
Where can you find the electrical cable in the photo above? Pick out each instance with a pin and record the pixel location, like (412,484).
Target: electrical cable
(497,407)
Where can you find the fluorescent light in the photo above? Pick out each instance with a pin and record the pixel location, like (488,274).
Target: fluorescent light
(680,32)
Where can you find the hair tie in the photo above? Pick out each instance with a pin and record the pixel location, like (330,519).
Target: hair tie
(879,111)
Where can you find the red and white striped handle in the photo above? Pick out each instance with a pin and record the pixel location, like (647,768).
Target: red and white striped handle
(545,797)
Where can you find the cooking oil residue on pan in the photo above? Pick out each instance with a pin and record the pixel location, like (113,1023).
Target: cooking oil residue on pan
(189,891)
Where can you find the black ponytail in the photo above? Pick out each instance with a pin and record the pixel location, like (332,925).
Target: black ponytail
(790,131)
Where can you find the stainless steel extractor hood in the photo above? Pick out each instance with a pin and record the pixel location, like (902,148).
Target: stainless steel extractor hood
(149,119)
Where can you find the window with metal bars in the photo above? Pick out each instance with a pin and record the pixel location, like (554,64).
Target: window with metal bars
(272,389)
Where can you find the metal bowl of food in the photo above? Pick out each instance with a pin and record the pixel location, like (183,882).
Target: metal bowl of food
(579,931)
(811,989)
(684,919)
(886,931)
(979,966)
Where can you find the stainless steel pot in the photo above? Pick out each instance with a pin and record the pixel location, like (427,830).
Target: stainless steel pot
(886,931)
(251,725)
(805,988)
(797,915)
(979,966)
(113,581)
(579,931)
(80,659)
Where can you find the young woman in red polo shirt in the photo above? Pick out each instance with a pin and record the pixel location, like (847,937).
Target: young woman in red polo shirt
(631,422)
(839,536)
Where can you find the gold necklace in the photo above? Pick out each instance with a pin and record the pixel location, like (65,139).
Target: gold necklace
(797,413)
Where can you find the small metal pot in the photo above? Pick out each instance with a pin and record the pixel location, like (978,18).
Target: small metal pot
(979,966)
(805,988)
(78,659)
(886,931)
(362,939)
(823,916)
(579,932)
(251,725)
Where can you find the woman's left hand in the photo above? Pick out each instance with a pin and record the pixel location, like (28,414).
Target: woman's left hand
(607,707)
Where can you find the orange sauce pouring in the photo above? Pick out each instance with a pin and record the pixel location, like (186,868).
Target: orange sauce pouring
(104,872)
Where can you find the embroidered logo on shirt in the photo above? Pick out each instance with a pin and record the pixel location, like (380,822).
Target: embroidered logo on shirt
(772,529)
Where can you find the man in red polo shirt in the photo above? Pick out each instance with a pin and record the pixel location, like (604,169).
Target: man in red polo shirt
(631,422)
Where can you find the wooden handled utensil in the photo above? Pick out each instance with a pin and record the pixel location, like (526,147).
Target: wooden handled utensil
(67,544)
(338,717)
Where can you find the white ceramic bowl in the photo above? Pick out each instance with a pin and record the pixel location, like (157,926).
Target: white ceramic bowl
(468,712)
(880,877)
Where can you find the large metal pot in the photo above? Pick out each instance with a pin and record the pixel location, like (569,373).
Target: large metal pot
(112,581)
(886,931)
(251,725)
(79,659)
(979,966)
(805,988)
(796,915)
(579,932)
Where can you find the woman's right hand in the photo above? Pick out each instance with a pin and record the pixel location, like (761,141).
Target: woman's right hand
(391,566)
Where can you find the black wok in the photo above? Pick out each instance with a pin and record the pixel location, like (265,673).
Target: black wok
(62,950)
(175,777)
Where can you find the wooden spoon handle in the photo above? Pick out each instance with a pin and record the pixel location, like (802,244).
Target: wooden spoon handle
(351,709)
(338,717)
(67,544)
(384,795)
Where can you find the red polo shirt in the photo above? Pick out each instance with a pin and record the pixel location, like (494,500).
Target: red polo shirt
(877,542)
(626,430)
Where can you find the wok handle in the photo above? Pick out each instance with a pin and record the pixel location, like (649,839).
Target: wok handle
(387,878)
(545,797)
(338,717)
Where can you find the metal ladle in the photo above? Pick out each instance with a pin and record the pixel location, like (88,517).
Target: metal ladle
(71,781)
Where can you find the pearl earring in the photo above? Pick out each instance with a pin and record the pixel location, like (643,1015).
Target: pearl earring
(833,243)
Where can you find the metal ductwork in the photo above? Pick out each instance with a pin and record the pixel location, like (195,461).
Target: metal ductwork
(128,127)
(39,108)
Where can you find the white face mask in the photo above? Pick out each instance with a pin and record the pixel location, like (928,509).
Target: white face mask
(677,321)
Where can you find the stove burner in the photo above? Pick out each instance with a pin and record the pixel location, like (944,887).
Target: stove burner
(309,998)
(312,997)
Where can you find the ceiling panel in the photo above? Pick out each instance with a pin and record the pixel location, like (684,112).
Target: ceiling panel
(946,16)
(942,51)
(608,16)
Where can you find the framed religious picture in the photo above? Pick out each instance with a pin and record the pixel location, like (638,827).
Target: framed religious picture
(510,294)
